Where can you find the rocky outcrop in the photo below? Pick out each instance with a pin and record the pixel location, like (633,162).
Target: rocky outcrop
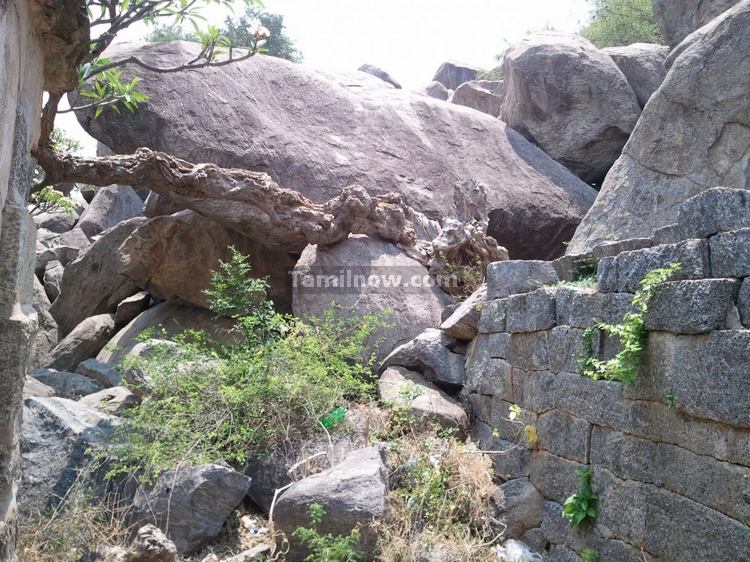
(568,97)
(693,135)
(430,353)
(362,276)
(174,256)
(352,492)
(110,206)
(380,73)
(191,504)
(93,283)
(436,90)
(643,66)
(483,95)
(453,74)
(65,384)
(679,18)
(534,203)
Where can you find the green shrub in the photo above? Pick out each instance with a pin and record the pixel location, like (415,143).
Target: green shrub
(581,506)
(328,547)
(631,333)
(622,22)
(211,402)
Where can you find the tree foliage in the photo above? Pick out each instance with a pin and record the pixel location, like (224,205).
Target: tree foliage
(622,22)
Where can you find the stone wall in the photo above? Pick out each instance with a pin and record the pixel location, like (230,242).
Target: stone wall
(670,454)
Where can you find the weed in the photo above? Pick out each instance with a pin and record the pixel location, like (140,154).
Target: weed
(590,555)
(581,506)
(327,547)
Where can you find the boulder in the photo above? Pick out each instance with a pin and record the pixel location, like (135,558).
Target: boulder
(363,267)
(102,373)
(33,387)
(56,222)
(149,545)
(352,492)
(568,97)
(690,138)
(52,279)
(643,66)
(191,504)
(84,342)
(430,353)
(436,90)
(131,307)
(422,147)
(679,18)
(62,254)
(93,283)
(166,320)
(46,336)
(75,238)
(110,206)
(453,74)
(56,434)
(380,73)
(520,506)
(463,322)
(483,95)
(65,384)
(174,256)
(421,399)
(113,401)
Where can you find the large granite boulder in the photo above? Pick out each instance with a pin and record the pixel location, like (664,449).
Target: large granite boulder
(483,95)
(110,206)
(174,256)
(378,72)
(571,99)
(679,18)
(317,133)
(643,66)
(83,342)
(93,283)
(693,135)
(363,268)
(453,74)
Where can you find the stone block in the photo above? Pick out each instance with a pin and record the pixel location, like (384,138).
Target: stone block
(512,462)
(495,413)
(670,234)
(521,506)
(562,553)
(574,266)
(623,506)
(708,375)
(463,323)
(528,351)
(616,247)
(491,377)
(715,210)
(565,349)
(730,253)
(599,402)
(555,477)
(692,307)
(557,530)
(531,312)
(17,251)
(498,345)
(624,273)
(743,302)
(564,435)
(534,390)
(506,278)
(492,318)
(581,308)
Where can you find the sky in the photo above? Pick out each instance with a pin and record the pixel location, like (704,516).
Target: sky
(407,38)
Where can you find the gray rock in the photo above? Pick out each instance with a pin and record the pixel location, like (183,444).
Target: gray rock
(670,234)
(743,302)
(422,399)
(488,375)
(412,309)
(463,322)
(643,66)
(625,272)
(64,384)
(730,254)
(93,283)
(715,210)
(110,206)
(55,222)
(531,312)
(518,276)
(430,353)
(85,341)
(513,463)
(554,477)
(131,307)
(529,351)
(46,336)
(75,238)
(104,374)
(517,551)
(564,435)
(380,73)
(61,254)
(174,256)
(425,146)
(607,249)
(689,138)
(483,95)
(191,504)
(52,279)
(114,401)
(56,434)
(565,348)
(453,74)
(34,387)
(352,492)
(493,317)
(581,308)
(521,506)
(574,267)
(568,97)
(436,90)
(679,18)
(692,307)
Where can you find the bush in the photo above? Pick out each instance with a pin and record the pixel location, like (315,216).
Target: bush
(622,22)
(214,402)
(327,548)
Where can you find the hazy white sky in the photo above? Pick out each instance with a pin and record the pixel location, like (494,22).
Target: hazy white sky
(408,38)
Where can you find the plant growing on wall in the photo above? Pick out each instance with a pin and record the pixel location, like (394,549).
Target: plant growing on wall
(631,333)
(581,506)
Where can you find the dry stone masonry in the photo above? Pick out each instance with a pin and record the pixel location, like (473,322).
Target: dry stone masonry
(670,454)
